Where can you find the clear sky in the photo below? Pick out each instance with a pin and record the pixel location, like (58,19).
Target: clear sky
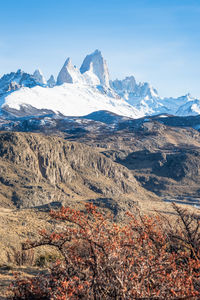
(155,40)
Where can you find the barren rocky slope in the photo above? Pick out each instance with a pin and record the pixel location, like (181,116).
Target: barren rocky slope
(35,170)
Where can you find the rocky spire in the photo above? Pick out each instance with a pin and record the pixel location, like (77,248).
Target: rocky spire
(51,82)
(96,64)
(69,74)
(39,77)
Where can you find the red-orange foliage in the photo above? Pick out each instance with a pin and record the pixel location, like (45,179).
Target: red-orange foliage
(105,260)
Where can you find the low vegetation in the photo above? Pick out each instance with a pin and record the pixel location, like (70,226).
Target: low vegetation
(145,258)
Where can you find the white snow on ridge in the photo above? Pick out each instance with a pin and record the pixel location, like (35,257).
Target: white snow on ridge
(69,99)
(78,99)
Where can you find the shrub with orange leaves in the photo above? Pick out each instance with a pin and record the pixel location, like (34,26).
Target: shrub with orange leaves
(105,260)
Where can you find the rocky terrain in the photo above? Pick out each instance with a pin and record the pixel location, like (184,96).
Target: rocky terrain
(37,170)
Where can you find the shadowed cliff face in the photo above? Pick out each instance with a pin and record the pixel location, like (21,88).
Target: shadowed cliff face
(35,170)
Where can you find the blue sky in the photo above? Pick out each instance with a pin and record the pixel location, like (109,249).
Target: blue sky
(155,40)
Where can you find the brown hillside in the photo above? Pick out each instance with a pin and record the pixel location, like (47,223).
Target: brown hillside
(36,170)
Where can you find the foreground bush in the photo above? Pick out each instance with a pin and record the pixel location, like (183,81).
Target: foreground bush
(103,260)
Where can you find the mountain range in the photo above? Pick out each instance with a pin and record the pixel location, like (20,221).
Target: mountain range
(79,92)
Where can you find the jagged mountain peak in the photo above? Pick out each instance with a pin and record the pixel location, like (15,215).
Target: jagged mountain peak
(39,77)
(19,72)
(69,73)
(51,81)
(137,95)
(146,90)
(68,62)
(95,63)
(126,85)
(97,52)
(15,80)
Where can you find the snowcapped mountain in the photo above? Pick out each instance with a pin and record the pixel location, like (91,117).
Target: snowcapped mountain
(79,92)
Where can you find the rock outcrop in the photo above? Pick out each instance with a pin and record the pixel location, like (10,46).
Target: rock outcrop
(95,63)
(39,77)
(51,81)
(36,170)
(69,73)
